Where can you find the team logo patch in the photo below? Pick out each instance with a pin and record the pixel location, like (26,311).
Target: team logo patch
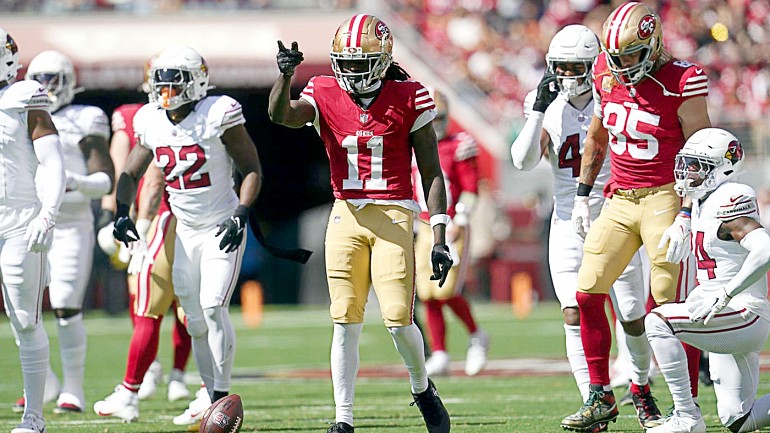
(608,82)
(734,152)
(381,31)
(646,27)
(221,419)
(363,117)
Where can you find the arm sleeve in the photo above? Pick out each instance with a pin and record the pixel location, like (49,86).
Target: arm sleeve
(757,263)
(94,185)
(525,150)
(49,154)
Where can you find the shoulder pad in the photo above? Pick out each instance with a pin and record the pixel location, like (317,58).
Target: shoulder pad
(736,200)
(223,111)
(92,120)
(25,95)
(422,99)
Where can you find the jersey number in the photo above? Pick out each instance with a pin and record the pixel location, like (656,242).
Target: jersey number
(702,257)
(191,178)
(569,154)
(353,181)
(626,127)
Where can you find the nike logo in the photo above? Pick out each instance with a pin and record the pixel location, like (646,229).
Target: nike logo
(661,212)
(395,221)
(735,198)
(698,70)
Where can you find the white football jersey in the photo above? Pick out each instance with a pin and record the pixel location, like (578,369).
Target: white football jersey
(567,127)
(717,260)
(74,122)
(18,162)
(197,167)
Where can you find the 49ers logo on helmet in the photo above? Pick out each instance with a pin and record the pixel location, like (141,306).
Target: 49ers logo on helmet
(734,152)
(381,31)
(646,27)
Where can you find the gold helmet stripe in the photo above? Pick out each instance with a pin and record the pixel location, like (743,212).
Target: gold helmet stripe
(356,27)
(616,25)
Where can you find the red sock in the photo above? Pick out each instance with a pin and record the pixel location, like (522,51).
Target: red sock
(142,351)
(436,324)
(693,366)
(182,344)
(638,389)
(462,309)
(596,336)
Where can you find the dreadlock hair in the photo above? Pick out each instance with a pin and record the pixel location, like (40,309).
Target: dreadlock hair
(396,72)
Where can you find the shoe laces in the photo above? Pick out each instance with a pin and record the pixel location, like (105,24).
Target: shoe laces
(594,398)
(646,402)
(429,405)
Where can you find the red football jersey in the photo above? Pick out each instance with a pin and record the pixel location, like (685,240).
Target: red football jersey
(457,154)
(123,120)
(642,121)
(369,150)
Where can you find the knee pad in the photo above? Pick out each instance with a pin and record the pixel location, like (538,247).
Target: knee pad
(66,313)
(23,321)
(213,314)
(69,319)
(656,325)
(196,327)
(397,315)
(345,310)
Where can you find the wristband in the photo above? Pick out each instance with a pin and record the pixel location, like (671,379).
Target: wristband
(242,213)
(440,218)
(142,227)
(685,212)
(584,189)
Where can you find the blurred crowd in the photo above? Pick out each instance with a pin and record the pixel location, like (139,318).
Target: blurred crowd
(500,45)
(153,6)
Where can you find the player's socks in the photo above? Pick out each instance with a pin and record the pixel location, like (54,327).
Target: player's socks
(222,343)
(758,417)
(462,310)
(142,350)
(408,341)
(34,355)
(201,350)
(596,336)
(72,345)
(436,325)
(577,358)
(641,354)
(182,344)
(693,367)
(344,366)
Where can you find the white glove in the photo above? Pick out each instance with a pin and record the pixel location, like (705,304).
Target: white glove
(140,257)
(72,181)
(106,240)
(39,234)
(708,306)
(581,216)
(678,238)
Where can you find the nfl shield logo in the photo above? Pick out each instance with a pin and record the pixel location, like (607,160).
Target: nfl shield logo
(363,117)
(608,83)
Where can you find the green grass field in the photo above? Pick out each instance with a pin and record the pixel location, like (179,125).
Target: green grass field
(281,372)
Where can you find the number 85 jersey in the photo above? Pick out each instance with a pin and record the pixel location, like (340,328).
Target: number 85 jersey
(197,168)
(369,150)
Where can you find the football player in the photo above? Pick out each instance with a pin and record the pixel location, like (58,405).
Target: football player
(457,155)
(728,314)
(646,104)
(28,142)
(84,132)
(371,118)
(196,140)
(557,121)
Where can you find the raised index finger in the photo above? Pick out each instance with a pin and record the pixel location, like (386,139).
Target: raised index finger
(281,47)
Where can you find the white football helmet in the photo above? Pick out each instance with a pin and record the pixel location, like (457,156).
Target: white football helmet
(55,72)
(366,39)
(573,44)
(709,158)
(9,58)
(178,76)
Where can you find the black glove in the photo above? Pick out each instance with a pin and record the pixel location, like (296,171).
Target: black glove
(442,263)
(233,229)
(288,59)
(125,230)
(105,217)
(546,92)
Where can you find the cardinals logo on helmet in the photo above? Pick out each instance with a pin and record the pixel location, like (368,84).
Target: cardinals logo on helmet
(734,152)
(646,26)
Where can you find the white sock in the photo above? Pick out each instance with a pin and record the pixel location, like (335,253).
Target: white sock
(672,362)
(759,416)
(640,353)
(408,341)
(344,365)
(34,354)
(577,358)
(204,360)
(621,367)
(221,339)
(72,344)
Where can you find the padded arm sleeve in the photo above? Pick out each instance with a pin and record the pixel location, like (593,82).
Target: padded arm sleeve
(525,150)
(94,185)
(49,154)
(757,263)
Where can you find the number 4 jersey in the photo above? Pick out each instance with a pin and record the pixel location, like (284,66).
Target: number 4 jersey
(196,165)
(369,150)
(643,123)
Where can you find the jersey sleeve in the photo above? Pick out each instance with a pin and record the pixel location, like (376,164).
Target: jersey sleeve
(693,81)
(93,121)
(424,107)
(738,201)
(25,95)
(141,123)
(308,95)
(226,113)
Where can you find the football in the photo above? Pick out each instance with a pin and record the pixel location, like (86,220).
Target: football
(224,416)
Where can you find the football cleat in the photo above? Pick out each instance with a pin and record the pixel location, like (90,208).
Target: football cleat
(68,403)
(596,413)
(681,423)
(52,387)
(433,411)
(177,389)
(122,403)
(340,427)
(151,380)
(30,423)
(646,409)
(192,416)
(438,364)
(476,358)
